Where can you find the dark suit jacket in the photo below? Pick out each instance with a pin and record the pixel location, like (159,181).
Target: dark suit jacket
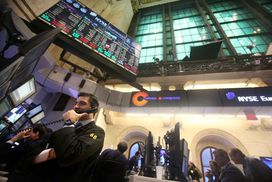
(231,173)
(111,166)
(19,159)
(114,155)
(77,150)
(255,170)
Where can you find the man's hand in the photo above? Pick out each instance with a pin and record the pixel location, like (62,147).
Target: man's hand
(52,154)
(72,116)
(45,155)
(21,135)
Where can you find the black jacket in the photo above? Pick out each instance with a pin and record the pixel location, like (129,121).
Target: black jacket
(231,173)
(255,170)
(77,150)
(111,166)
(19,159)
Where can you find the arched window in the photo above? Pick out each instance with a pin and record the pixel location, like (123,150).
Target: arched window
(206,156)
(138,146)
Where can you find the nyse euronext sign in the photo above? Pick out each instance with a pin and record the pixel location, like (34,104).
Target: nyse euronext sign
(252,98)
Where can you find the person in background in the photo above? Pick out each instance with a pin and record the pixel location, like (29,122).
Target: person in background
(133,162)
(213,174)
(194,172)
(229,172)
(112,165)
(20,151)
(117,155)
(4,7)
(254,169)
(77,145)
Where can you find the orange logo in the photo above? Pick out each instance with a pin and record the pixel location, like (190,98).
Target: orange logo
(138,99)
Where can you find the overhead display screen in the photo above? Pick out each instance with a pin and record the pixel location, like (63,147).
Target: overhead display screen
(203,98)
(91,30)
(159,99)
(247,97)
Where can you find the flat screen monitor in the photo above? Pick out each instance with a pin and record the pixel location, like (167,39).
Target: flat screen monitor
(37,117)
(162,157)
(34,111)
(3,125)
(5,106)
(85,26)
(23,92)
(149,149)
(19,124)
(15,114)
(267,161)
(148,156)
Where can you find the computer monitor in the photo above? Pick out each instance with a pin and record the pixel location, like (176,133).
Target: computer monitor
(149,157)
(176,158)
(185,154)
(37,109)
(4,130)
(149,149)
(5,106)
(15,114)
(162,156)
(267,161)
(23,92)
(37,117)
(17,126)
(3,125)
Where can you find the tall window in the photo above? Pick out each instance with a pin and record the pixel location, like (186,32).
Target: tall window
(134,148)
(246,33)
(266,4)
(149,34)
(206,157)
(189,29)
(167,32)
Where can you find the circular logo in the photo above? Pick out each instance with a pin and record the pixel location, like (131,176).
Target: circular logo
(138,99)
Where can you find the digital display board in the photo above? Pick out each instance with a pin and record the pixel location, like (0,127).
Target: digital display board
(91,30)
(247,96)
(261,96)
(203,98)
(159,99)
(175,98)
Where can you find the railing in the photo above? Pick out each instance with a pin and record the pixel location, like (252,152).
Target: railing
(229,64)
